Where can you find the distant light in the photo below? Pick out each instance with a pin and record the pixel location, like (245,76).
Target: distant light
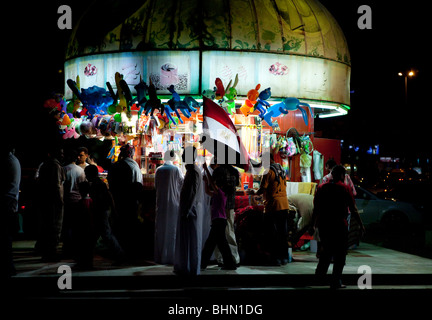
(400,74)
(22,207)
(377,149)
(411,73)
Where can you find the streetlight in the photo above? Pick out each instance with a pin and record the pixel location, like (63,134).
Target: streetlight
(406,75)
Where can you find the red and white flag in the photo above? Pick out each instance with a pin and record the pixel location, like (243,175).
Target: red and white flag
(218,126)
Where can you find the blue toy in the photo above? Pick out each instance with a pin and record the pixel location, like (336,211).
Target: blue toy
(92,98)
(289,104)
(142,91)
(186,106)
(262,104)
(96,99)
(154,102)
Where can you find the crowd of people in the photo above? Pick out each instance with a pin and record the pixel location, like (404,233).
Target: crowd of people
(194,212)
(76,208)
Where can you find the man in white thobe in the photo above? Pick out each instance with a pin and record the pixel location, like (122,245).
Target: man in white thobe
(207,208)
(168,184)
(187,259)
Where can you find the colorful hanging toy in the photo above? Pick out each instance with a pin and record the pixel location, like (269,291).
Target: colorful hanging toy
(153,103)
(186,106)
(289,104)
(75,103)
(228,100)
(142,91)
(252,96)
(97,100)
(261,105)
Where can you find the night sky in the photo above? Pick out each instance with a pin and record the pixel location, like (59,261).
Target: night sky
(397,42)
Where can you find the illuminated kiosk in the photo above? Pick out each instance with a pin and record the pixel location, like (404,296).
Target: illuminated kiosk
(295,47)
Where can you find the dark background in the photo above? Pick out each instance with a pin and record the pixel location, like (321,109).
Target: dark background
(398,42)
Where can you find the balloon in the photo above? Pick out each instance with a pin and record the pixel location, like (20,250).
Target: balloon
(122,100)
(210,94)
(117,117)
(262,104)
(97,100)
(52,104)
(154,102)
(220,90)
(288,104)
(84,112)
(142,90)
(252,96)
(170,108)
(70,133)
(76,101)
(231,95)
(66,120)
(112,109)
(126,92)
(186,106)
(294,104)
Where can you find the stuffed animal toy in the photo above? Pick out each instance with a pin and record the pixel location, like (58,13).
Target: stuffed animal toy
(230,96)
(97,100)
(76,102)
(142,91)
(248,107)
(153,103)
(288,104)
(261,105)
(186,106)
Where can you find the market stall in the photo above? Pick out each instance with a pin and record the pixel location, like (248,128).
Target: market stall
(264,64)
(154,126)
(272,69)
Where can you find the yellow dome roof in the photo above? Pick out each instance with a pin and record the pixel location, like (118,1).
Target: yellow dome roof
(297,27)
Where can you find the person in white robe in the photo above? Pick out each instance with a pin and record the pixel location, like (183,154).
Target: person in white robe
(187,260)
(168,184)
(207,208)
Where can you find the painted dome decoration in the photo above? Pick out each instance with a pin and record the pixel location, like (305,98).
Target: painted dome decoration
(294,47)
(302,27)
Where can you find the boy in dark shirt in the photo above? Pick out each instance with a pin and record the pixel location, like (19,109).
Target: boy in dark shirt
(102,206)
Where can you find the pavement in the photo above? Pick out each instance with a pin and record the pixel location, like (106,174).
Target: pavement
(373,275)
